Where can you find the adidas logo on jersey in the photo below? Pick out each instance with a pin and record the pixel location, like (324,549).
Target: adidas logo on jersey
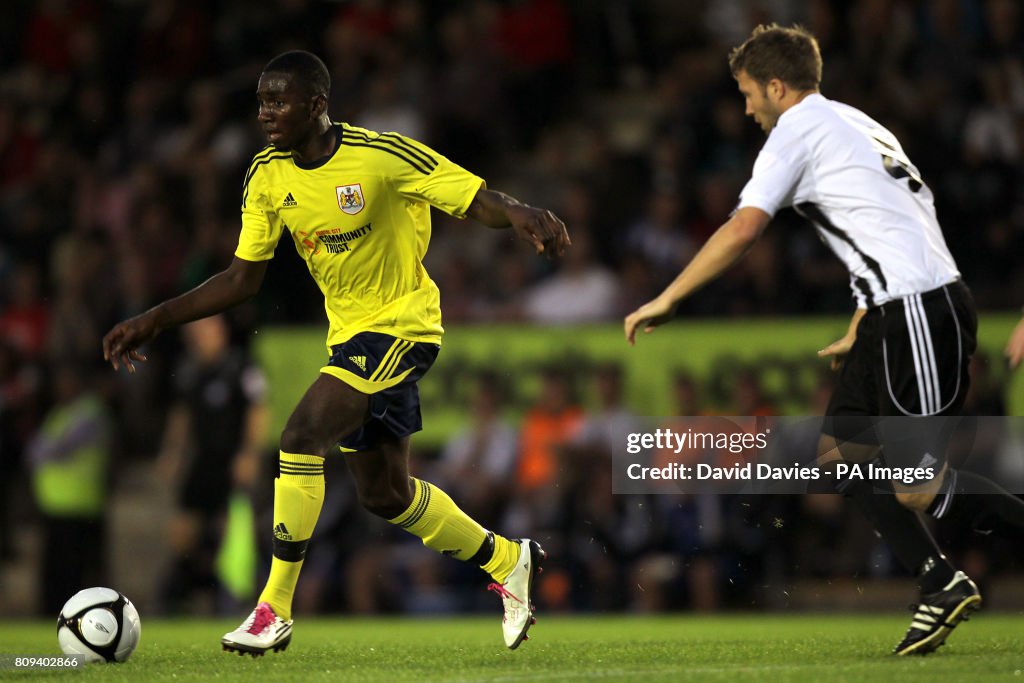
(289,200)
(360,361)
(281,532)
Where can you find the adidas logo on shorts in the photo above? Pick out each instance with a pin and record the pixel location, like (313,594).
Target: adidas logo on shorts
(360,361)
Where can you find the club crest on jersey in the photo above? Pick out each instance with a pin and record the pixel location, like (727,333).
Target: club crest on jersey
(350,198)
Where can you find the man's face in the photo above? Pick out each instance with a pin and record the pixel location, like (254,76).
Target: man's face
(759,104)
(285,113)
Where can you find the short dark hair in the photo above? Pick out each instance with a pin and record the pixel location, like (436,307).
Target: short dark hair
(308,70)
(788,54)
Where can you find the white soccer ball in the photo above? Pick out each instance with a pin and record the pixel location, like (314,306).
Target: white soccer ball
(100,624)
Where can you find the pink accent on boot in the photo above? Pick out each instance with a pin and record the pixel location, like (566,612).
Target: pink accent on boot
(262,618)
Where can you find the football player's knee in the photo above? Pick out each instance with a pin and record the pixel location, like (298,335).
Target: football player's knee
(918,501)
(386,502)
(293,440)
(298,438)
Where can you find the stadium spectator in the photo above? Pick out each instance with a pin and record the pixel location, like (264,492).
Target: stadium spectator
(685,395)
(342,570)
(21,405)
(683,565)
(209,143)
(69,457)
(603,426)
(605,533)
(83,297)
(365,401)
(548,425)
(537,44)
(174,40)
(829,541)
(477,463)
(539,499)
(211,448)
(386,110)
(475,129)
(748,396)
(658,237)
(580,291)
(25,321)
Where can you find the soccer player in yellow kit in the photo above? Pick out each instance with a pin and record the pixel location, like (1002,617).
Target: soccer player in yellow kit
(357,206)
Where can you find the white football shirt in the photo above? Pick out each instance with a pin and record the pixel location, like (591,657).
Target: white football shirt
(849,175)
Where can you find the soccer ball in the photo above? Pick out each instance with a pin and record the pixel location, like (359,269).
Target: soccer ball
(100,624)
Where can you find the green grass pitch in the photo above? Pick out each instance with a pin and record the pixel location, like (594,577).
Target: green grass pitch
(747,647)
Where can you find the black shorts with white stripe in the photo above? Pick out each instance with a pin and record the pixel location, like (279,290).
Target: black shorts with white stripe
(911,358)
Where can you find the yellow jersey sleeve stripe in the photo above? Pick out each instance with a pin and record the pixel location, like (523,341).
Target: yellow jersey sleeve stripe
(419,152)
(252,172)
(262,154)
(355,139)
(391,359)
(400,143)
(263,159)
(389,151)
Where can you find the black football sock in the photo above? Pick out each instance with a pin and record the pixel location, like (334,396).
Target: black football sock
(907,537)
(984,503)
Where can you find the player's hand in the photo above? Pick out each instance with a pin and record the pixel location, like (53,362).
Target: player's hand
(120,345)
(652,314)
(541,228)
(1015,347)
(838,350)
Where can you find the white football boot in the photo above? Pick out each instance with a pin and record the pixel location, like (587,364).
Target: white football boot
(516,593)
(262,631)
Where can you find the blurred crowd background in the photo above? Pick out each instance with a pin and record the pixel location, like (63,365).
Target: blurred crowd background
(125,130)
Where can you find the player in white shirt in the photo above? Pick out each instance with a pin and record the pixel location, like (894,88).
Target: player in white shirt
(836,167)
(908,346)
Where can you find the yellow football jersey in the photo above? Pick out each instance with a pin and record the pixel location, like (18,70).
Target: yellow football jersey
(361,221)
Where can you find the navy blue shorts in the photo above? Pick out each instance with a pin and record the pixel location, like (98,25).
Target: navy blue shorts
(387,369)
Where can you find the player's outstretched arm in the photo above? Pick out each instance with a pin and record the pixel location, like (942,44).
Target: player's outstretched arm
(1015,347)
(539,227)
(729,243)
(238,282)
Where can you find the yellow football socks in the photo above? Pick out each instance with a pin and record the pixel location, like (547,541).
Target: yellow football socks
(298,497)
(506,554)
(436,519)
